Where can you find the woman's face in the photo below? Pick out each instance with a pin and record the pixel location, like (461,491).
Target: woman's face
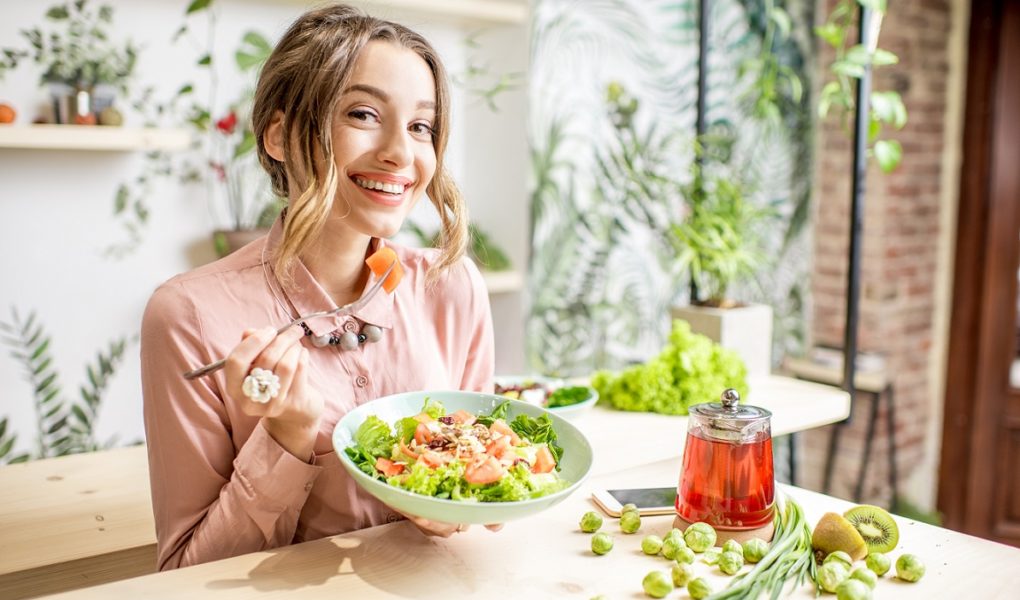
(382,139)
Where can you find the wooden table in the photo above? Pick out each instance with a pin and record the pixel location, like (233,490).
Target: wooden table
(86,519)
(544,556)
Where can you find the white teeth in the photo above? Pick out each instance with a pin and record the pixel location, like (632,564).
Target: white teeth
(389,188)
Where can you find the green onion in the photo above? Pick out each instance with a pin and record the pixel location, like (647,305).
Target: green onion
(789,559)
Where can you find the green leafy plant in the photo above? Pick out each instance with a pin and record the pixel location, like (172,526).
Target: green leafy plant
(78,51)
(63,426)
(775,86)
(689,370)
(720,240)
(224,142)
(850,63)
(479,79)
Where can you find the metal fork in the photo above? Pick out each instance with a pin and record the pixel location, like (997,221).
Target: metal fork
(346,309)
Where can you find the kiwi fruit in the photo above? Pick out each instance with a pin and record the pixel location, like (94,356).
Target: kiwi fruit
(833,533)
(877,527)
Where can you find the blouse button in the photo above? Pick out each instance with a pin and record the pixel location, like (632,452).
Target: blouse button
(350,326)
(308,486)
(361,381)
(392,518)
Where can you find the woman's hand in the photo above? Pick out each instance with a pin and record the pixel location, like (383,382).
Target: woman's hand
(292,417)
(441,529)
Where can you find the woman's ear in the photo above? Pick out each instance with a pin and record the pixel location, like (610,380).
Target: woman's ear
(273,138)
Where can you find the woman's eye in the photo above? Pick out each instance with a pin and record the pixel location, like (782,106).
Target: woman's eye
(423,129)
(362,115)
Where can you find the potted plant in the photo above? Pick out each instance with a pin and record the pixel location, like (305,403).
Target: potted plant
(229,167)
(719,244)
(79,59)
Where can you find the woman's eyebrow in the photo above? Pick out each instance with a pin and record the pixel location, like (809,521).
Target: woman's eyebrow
(374,91)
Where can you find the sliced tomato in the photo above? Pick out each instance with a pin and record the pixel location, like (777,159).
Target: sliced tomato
(544,461)
(486,471)
(422,435)
(499,446)
(407,451)
(463,416)
(380,260)
(387,467)
(499,426)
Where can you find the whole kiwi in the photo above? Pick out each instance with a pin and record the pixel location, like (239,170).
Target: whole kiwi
(876,526)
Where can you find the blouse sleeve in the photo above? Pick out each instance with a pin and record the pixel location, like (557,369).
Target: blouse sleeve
(209,500)
(480,366)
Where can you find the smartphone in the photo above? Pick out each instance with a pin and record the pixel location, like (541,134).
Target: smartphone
(649,501)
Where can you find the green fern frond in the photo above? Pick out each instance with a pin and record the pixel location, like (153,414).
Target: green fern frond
(29,344)
(7,441)
(83,414)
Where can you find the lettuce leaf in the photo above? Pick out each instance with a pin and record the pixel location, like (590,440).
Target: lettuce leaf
(374,438)
(405,429)
(433,408)
(497,413)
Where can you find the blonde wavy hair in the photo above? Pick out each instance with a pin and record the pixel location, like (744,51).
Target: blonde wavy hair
(303,79)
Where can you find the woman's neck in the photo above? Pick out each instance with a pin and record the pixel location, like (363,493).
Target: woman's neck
(337,262)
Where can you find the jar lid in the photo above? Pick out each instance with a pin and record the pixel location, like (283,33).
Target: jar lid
(730,409)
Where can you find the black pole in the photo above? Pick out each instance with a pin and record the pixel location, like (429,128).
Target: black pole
(699,123)
(853,281)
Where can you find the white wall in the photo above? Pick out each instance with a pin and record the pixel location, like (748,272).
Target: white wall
(57,205)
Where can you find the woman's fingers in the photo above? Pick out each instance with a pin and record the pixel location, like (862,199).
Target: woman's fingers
(273,353)
(286,369)
(494,526)
(240,358)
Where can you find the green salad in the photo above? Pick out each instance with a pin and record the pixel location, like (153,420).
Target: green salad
(461,456)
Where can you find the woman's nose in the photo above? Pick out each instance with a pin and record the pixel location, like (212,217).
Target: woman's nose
(395,146)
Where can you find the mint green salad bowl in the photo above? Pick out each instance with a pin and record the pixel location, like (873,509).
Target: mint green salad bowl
(575,463)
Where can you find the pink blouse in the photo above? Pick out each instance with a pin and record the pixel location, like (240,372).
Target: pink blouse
(221,486)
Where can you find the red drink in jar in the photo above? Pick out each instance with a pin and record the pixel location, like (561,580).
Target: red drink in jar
(728,477)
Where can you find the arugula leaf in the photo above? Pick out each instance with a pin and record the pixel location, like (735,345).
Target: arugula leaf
(497,413)
(565,396)
(538,431)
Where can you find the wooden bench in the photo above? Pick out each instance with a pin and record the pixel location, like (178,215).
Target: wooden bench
(75,521)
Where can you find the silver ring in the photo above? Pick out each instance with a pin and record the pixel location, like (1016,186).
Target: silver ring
(261,385)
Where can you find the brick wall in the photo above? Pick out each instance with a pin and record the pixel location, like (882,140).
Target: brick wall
(899,251)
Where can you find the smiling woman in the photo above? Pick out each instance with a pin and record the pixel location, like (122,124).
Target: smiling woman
(351,118)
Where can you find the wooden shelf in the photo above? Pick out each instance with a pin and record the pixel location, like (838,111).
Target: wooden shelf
(503,282)
(91,137)
(468,12)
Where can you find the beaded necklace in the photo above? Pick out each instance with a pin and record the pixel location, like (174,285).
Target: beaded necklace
(347,340)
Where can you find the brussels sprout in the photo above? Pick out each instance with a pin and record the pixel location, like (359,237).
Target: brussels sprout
(830,575)
(685,555)
(651,544)
(853,589)
(730,562)
(699,588)
(879,563)
(591,522)
(670,547)
(630,522)
(657,584)
(866,575)
(599,597)
(755,549)
(682,573)
(601,543)
(677,535)
(841,557)
(732,546)
(629,507)
(700,537)
(711,556)
(909,568)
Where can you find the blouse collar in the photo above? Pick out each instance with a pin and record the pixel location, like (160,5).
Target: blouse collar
(306,296)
